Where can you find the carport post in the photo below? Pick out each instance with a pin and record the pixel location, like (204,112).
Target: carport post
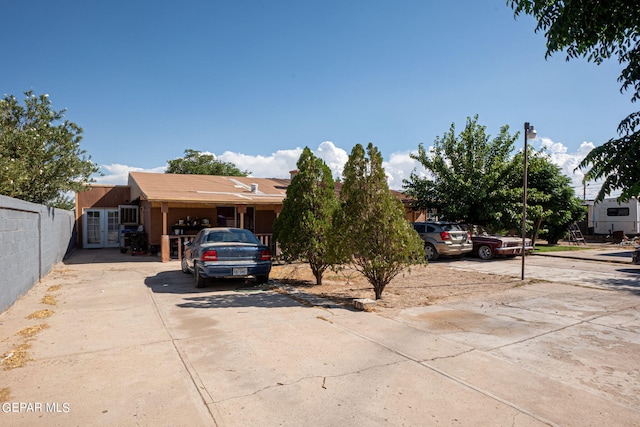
(165,254)
(242,210)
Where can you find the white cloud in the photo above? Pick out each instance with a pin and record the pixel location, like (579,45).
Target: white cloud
(280,163)
(333,156)
(277,165)
(585,148)
(568,163)
(398,166)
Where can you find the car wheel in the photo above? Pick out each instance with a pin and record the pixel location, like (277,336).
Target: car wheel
(183,264)
(199,278)
(430,252)
(485,252)
(262,279)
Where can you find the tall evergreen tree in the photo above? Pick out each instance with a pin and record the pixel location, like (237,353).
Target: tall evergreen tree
(370,231)
(303,226)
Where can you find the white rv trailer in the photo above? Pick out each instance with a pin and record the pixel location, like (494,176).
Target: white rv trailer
(609,216)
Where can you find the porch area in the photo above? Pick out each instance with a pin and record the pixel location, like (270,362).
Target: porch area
(172,245)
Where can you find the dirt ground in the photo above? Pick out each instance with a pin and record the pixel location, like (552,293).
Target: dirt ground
(435,283)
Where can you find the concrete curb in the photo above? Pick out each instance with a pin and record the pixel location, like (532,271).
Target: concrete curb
(596,255)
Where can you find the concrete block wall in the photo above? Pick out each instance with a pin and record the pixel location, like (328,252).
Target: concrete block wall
(33,238)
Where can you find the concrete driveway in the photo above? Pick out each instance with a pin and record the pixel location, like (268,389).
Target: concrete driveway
(608,267)
(130,341)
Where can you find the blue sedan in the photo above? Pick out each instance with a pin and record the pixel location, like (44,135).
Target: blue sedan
(226,252)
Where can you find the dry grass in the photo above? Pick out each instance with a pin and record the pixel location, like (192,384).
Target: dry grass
(19,356)
(422,285)
(54,288)
(301,275)
(16,358)
(42,314)
(5,394)
(49,300)
(32,330)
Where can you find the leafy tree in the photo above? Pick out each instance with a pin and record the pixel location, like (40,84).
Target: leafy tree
(370,231)
(476,180)
(302,228)
(197,163)
(598,30)
(551,202)
(618,162)
(40,158)
(467,176)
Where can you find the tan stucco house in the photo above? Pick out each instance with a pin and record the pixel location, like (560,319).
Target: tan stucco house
(168,208)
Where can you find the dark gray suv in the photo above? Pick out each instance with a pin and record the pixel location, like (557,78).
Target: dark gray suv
(443,238)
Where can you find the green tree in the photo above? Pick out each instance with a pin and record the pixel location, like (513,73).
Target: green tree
(551,202)
(467,174)
(370,231)
(302,228)
(597,31)
(197,163)
(40,156)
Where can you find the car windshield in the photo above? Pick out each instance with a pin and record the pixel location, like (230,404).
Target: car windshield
(232,236)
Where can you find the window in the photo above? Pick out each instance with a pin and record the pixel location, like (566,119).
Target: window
(419,228)
(450,227)
(128,214)
(238,236)
(617,211)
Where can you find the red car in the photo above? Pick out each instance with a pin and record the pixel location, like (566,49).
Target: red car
(486,247)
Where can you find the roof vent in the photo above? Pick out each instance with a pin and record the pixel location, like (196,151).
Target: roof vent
(254,188)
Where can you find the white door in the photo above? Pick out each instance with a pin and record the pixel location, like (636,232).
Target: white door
(101,228)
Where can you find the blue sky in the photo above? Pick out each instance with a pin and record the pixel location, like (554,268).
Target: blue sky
(255,81)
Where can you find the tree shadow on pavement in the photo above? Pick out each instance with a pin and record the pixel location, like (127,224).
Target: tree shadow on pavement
(630,271)
(629,284)
(222,293)
(106,255)
(625,254)
(240,299)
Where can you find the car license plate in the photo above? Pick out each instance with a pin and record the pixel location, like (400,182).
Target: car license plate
(242,271)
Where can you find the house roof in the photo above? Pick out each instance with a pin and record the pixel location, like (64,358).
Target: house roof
(167,187)
(161,187)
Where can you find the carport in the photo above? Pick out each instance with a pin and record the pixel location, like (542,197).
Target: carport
(173,207)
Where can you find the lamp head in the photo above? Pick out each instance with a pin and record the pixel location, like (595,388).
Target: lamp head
(531,132)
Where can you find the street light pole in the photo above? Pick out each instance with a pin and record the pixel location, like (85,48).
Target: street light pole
(529,132)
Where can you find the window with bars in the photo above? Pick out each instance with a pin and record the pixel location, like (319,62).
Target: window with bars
(128,215)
